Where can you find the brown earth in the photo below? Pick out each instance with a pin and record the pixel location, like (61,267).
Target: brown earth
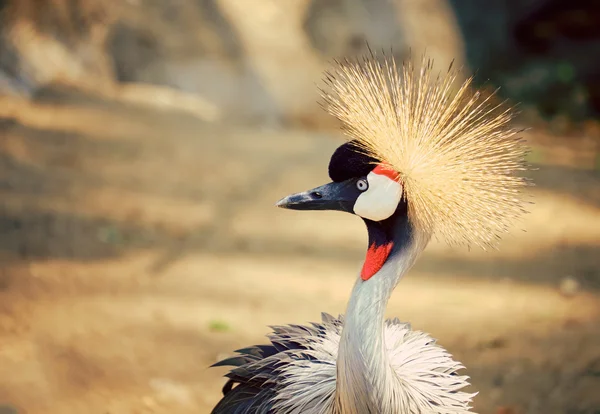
(139,246)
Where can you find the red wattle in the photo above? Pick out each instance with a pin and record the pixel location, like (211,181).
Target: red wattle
(376,257)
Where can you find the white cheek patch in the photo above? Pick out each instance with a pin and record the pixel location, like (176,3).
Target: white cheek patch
(380,201)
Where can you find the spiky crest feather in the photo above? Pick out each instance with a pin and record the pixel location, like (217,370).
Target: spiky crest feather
(456,154)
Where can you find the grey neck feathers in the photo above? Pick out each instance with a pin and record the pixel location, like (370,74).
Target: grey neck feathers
(365,378)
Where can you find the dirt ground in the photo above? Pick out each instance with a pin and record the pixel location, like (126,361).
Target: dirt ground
(140,246)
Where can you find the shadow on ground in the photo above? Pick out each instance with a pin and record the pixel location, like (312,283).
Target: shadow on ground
(43,174)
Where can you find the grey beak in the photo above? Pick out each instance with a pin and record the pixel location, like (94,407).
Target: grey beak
(333,196)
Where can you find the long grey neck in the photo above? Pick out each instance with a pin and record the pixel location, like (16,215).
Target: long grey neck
(365,378)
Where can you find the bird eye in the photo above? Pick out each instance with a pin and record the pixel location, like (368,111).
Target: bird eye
(362,185)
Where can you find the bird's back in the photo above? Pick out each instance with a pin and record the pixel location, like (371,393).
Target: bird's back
(281,375)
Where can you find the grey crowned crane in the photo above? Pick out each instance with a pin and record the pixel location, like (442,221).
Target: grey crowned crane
(426,156)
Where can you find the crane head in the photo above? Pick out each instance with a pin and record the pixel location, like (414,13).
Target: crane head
(361,185)
(426,141)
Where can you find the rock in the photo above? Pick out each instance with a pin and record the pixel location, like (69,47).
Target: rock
(171,392)
(569,286)
(149,402)
(7,409)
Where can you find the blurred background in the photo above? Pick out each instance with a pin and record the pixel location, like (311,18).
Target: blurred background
(143,144)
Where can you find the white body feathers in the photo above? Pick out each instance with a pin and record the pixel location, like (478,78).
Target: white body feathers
(309,385)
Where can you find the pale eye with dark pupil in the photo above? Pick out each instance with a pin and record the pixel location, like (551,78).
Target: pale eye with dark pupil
(362,185)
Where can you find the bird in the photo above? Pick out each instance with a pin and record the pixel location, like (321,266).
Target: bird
(426,156)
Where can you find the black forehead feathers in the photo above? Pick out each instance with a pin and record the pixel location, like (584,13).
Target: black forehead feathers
(349,161)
